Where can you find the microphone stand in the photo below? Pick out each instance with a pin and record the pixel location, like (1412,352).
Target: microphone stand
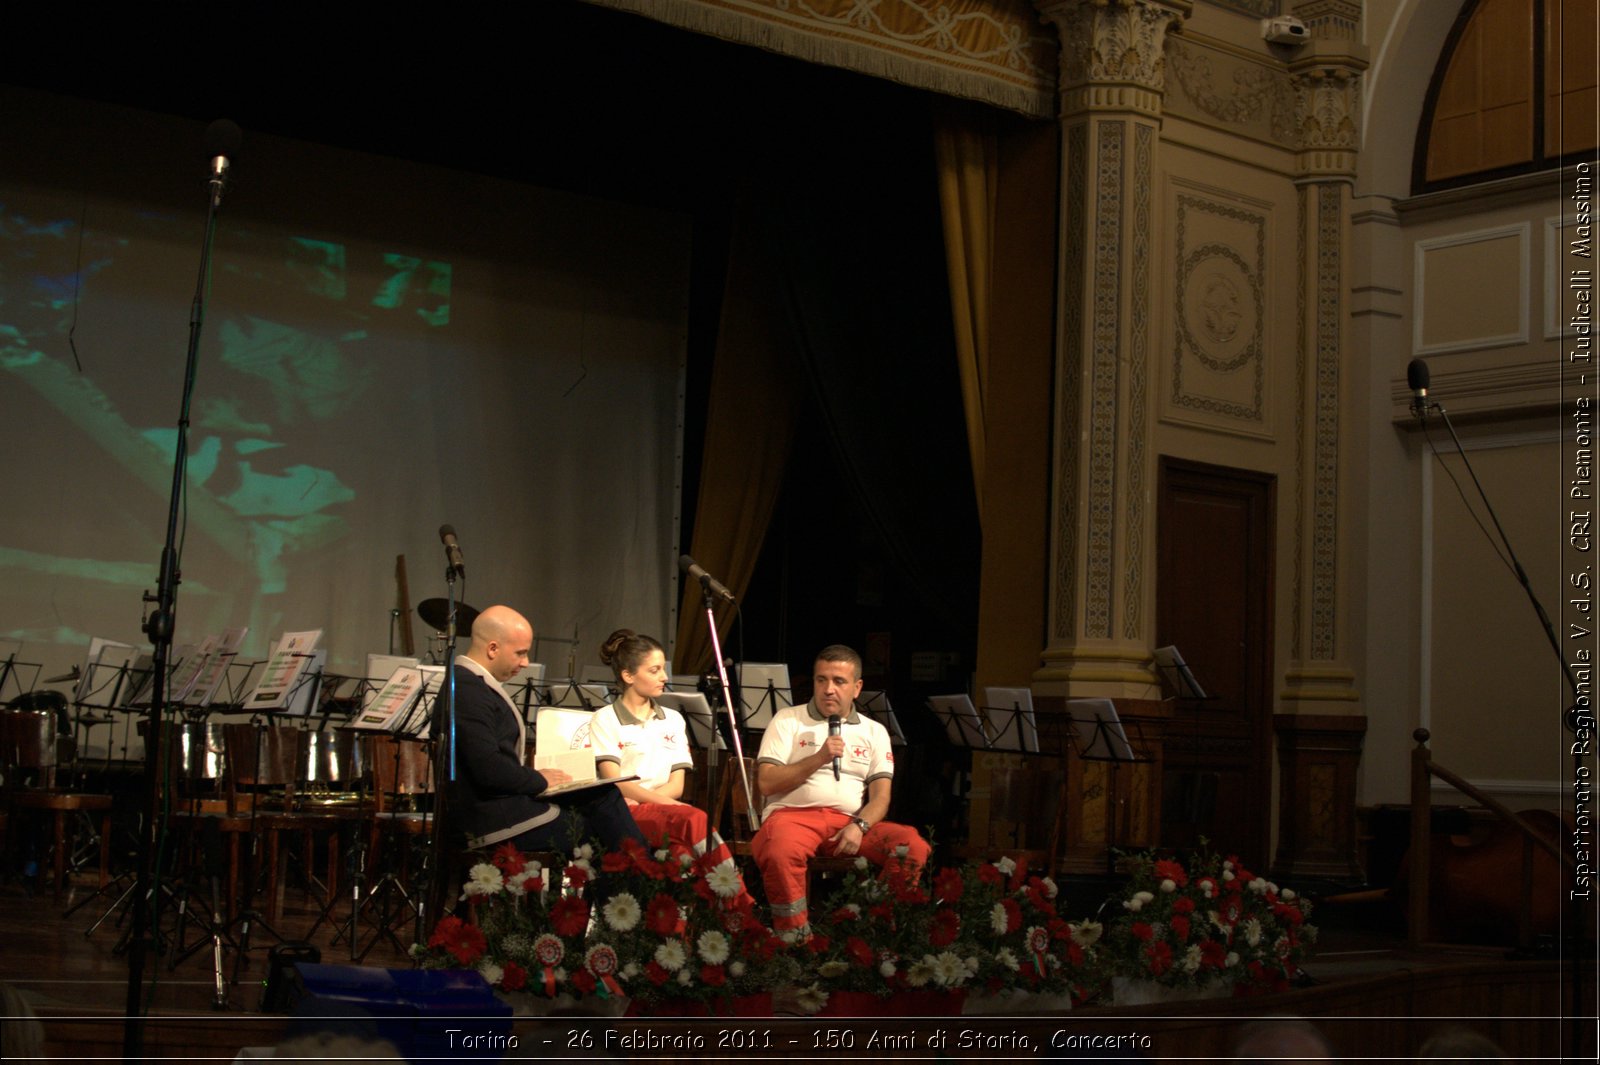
(1575,711)
(443,733)
(727,703)
(159,626)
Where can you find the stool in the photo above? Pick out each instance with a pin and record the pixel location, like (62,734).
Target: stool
(62,804)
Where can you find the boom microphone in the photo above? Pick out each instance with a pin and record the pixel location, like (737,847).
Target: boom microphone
(1417,381)
(707,581)
(222,140)
(452,551)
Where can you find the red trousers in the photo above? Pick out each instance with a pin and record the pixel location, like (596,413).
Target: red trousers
(687,826)
(789,837)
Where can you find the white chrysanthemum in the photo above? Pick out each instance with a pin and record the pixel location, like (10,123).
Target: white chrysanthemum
(1230,961)
(671,956)
(1252,932)
(1087,934)
(483,879)
(1227,865)
(1133,905)
(1216,921)
(1227,874)
(724,880)
(736,969)
(685,860)
(1050,888)
(1287,895)
(1007,959)
(886,968)
(861,863)
(662,854)
(630,970)
(1144,896)
(492,973)
(582,852)
(1259,886)
(830,969)
(948,969)
(854,908)
(791,936)
(1168,886)
(1191,959)
(684,978)
(920,973)
(901,850)
(517,885)
(811,999)
(1006,866)
(998,920)
(1208,888)
(712,947)
(972,964)
(622,912)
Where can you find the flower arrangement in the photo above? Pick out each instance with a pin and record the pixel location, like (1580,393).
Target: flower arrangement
(1212,922)
(1021,941)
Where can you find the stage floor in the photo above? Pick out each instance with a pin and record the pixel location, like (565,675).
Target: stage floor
(1370,994)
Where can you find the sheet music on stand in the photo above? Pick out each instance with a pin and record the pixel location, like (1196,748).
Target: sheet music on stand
(963,725)
(764,689)
(875,704)
(1012,723)
(389,706)
(698,719)
(11,667)
(1175,671)
(576,695)
(418,717)
(284,677)
(1100,734)
(103,664)
(209,677)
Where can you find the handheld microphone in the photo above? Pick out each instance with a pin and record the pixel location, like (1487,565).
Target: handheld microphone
(1417,381)
(452,551)
(834,728)
(707,581)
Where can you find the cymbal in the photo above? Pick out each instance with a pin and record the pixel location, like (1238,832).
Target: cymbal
(71,674)
(436,612)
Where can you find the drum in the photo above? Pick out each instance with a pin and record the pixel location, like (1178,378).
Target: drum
(264,755)
(196,750)
(28,738)
(336,759)
(400,766)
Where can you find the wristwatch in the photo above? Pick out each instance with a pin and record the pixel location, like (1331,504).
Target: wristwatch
(862,823)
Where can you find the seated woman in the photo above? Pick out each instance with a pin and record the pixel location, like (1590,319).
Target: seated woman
(634,736)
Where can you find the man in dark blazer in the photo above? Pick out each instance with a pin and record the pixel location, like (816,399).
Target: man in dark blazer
(496,796)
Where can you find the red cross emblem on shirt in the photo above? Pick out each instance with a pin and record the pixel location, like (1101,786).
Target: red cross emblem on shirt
(859,752)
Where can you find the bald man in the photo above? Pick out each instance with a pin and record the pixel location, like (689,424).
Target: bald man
(496,795)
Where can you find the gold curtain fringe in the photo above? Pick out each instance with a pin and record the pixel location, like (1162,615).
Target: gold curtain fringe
(1031,93)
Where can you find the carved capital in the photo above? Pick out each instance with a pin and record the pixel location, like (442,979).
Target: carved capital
(1327,101)
(1113,42)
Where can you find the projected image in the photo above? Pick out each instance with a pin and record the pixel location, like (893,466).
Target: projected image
(368,372)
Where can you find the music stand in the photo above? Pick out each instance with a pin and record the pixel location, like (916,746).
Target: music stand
(875,704)
(962,724)
(1012,724)
(770,683)
(698,718)
(1175,671)
(1101,738)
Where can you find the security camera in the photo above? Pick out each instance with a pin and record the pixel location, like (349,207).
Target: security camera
(1285,29)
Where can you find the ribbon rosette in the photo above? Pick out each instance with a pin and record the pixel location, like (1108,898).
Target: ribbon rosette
(1037,941)
(602,961)
(548,950)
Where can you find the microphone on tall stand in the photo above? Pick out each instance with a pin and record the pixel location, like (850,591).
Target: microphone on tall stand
(222,140)
(1417,381)
(834,729)
(707,581)
(452,551)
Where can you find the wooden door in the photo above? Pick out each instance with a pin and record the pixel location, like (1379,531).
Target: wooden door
(1214,596)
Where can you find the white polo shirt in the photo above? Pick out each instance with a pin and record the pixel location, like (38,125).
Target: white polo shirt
(796,732)
(651,747)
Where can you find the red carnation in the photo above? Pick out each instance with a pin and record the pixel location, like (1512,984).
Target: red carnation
(1212,954)
(508,859)
(1183,904)
(1142,931)
(1160,956)
(1180,926)
(859,951)
(514,977)
(1013,914)
(615,862)
(584,981)
(1170,870)
(569,916)
(713,975)
(946,926)
(464,942)
(948,885)
(656,974)
(818,944)
(990,875)
(576,876)
(661,915)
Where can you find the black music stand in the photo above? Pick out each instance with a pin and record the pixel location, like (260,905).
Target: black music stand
(1101,737)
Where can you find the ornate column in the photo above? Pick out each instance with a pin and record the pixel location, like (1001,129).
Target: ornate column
(1317,798)
(1102,525)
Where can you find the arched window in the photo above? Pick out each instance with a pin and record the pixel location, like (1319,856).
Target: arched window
(1514,92)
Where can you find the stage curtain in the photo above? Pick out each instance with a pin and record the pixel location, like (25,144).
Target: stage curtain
(994,51)
(749,426)
(967,180)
